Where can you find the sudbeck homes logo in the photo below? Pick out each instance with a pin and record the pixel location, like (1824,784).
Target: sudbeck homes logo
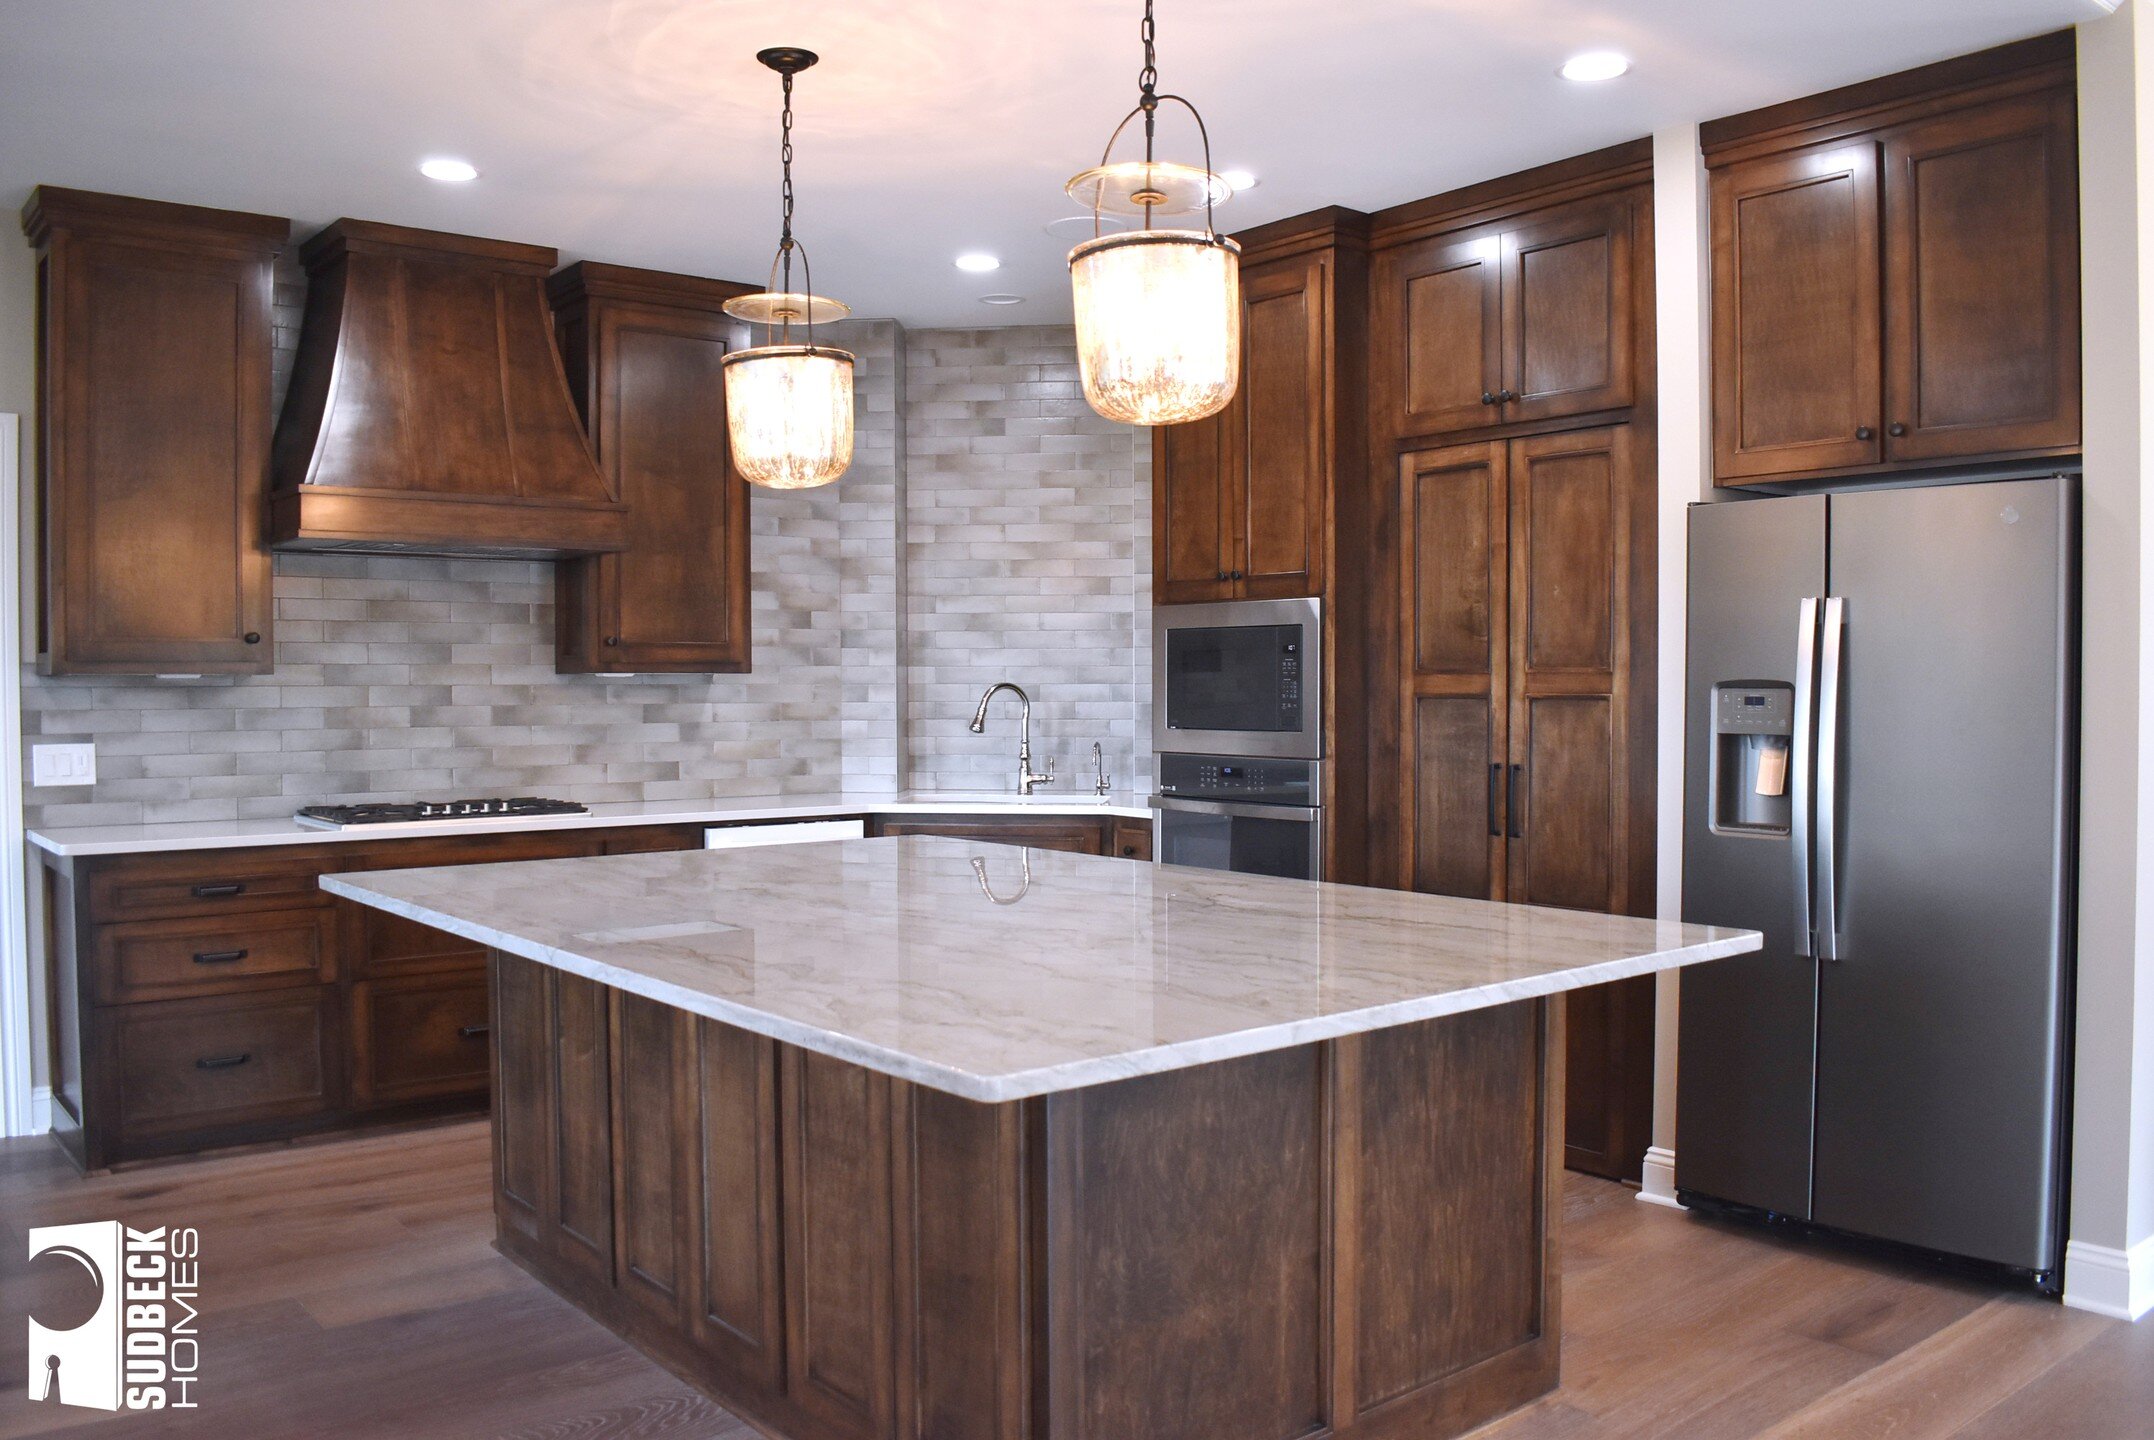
(121,1330)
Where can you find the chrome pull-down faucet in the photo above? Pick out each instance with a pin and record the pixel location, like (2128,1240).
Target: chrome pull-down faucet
(1025,778)
(1102,783)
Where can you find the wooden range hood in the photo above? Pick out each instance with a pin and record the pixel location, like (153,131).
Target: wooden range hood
(428,411)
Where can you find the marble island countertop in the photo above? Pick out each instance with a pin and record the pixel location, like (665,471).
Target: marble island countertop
(996,974)
(725,810)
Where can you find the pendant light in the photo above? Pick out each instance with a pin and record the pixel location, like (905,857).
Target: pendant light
(1159,313)
(789,404)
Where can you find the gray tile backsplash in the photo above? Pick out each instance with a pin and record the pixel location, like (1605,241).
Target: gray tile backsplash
(991,527)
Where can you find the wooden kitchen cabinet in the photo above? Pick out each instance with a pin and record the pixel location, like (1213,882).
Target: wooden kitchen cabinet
(1075,834)
(1242,499)
(153,344)
(1528,318)
(645,354)
(1526,717)
(1895,272)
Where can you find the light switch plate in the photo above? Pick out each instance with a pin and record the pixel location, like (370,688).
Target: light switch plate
(63,765)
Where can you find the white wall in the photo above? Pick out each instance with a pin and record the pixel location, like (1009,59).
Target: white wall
(2110,1264)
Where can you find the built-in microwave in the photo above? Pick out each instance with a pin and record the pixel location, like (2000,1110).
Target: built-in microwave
(1242,677)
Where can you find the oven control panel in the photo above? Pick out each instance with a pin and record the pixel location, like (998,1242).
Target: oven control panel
(1227,777)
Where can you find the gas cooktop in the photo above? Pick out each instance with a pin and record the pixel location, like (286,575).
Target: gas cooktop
(338,817)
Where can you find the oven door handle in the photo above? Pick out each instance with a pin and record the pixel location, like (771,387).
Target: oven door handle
(1234,807)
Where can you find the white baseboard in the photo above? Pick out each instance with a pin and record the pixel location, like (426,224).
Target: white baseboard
(1656,1186)
(40,1109)
(2116,1283)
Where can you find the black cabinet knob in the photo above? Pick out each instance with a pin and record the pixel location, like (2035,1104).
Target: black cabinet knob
(1488,397)
(613,639)
(1505,397)
(1896,428)
(1234,574)
(252,637)
(1221,575)
(1864,432)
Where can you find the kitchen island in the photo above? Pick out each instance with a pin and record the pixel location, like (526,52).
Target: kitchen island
(922,1139)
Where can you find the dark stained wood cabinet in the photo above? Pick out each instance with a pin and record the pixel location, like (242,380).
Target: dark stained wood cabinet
(1353,1238)
(644,352)
(1242,501)
(1526,717)
(153,345)
(1895,272)
(1517,320)
(1511,731)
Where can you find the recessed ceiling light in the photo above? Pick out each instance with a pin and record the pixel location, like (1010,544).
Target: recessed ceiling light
(456,172)
(1239,180)
(1595,65)
(1002,299)
(978,262)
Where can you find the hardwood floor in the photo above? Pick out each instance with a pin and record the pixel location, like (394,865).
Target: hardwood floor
(351,1289)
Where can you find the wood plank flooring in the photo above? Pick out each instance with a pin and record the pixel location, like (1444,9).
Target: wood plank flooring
(351,1289)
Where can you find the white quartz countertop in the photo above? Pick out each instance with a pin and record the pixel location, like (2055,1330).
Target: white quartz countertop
(996,973)
(235,834)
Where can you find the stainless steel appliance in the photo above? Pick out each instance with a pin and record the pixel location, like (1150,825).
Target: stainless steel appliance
(1242,677)
(1879,776)
(339,817)
(1257,817)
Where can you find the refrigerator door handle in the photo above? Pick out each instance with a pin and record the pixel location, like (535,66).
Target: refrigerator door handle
(1799,786)
(1828,780)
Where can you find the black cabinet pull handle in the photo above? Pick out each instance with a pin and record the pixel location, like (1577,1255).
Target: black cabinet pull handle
(223,1062)
(218,892)
(1864,432)
(1495,778)
(1896,428)
(473,1032)
(218,957)
(1518,829)
(252,637)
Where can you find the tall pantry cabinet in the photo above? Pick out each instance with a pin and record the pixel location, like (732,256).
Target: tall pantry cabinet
(1512,725)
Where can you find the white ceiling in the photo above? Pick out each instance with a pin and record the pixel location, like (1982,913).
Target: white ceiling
(643,132)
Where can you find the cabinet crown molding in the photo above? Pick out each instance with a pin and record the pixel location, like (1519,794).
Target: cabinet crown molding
(55,207)
(595,280)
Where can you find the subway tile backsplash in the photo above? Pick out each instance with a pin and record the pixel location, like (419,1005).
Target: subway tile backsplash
(991,527)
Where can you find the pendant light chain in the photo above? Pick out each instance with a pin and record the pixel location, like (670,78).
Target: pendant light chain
(785,191)
(1148,82)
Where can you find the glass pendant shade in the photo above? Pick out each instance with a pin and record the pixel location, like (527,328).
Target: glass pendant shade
(789,414)
(1159,324)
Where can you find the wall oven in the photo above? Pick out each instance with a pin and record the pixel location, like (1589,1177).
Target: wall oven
(1255,817)
(1243,677)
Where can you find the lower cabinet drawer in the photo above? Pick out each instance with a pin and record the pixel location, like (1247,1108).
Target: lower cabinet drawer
(230,1061)
(174,959)
(425,1037)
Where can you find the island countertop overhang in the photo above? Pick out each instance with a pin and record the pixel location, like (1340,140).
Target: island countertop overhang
(996,974)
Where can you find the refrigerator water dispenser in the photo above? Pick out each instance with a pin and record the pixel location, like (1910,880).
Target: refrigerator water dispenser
(1753,721)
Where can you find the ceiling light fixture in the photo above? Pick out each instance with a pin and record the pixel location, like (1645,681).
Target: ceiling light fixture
(1238,180)
(1595,65)
(978,262)
(1002,299)
(1159,313)
(789,406)
(453,172)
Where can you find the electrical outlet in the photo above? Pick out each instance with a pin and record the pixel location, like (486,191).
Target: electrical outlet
(63,764)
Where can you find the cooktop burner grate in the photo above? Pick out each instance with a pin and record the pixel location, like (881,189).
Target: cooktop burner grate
(337,817)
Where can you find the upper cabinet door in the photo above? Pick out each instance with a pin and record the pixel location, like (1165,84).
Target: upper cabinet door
(652,388)
(1276,497)
(154,351)
(1982,282)
(1567,313)
(1190,509)
(1797,382)
(1438,324)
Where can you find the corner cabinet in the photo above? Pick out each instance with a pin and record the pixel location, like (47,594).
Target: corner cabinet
(645,353)
(153,358)
(1895,273)
(1241,504)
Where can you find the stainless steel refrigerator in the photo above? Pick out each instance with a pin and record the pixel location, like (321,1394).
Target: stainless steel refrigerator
(1879,775)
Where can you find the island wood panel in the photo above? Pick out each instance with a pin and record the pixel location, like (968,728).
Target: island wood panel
(653,1084)
(1221,1251)
(834,1129)
(739,1313)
